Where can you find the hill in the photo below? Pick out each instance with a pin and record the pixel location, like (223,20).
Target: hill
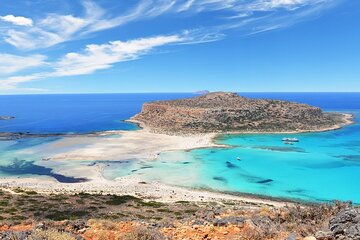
(229,112)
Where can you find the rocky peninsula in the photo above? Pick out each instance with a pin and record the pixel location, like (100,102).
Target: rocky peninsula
(228,112)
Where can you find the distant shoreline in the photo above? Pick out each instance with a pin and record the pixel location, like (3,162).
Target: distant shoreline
(347,119)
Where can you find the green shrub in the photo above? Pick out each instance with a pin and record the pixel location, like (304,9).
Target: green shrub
(118,200)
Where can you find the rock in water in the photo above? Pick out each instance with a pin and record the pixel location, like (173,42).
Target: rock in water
(229,112)
(6,117)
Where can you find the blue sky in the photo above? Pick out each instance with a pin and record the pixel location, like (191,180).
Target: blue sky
(107,46)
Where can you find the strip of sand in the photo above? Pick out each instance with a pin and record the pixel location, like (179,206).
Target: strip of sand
(124,145)
(134,186)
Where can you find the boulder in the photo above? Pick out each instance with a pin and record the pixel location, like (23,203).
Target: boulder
(346,224)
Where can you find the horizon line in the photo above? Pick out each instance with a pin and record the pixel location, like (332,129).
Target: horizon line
(192,92)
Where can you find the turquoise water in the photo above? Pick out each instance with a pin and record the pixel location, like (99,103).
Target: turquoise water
(321,167)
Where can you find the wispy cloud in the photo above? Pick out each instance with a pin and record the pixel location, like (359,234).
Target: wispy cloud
(92,58)
(56,28)
(13,63)
(96,57)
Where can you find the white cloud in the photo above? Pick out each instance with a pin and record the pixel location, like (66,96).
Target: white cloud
(56,28)
(12,82)
(53,29)
(20,21)
(12,63)
(32,38)
(95,57)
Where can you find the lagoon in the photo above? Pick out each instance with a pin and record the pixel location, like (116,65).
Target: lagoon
(321,167)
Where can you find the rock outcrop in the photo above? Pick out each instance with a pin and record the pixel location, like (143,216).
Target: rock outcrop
(346,224)
(229,112)
(6,117)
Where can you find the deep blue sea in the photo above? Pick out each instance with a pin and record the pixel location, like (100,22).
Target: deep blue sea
(321,167)
(73,113)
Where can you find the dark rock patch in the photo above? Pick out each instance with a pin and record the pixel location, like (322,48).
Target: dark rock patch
(281,149)
(233,220)
(185,163)
(220,179)
(230,165)
(265,181)
(352,158)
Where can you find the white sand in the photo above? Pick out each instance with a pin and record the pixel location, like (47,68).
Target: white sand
(140,144)
(131,186)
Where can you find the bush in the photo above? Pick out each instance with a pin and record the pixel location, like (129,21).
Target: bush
(142,233)
(50,234)
(118,200)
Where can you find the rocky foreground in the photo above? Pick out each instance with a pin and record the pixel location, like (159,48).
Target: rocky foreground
(229,112)
(26,214)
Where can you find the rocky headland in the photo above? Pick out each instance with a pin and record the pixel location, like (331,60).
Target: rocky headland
(229,112)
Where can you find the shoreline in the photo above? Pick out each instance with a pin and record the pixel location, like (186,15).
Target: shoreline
(134,186)
(128,145)
(346,120)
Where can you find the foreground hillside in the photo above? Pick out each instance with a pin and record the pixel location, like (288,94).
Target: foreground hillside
(30,215)
(229,112)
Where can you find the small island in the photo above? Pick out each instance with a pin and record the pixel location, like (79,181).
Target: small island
(221,112)
(6,117)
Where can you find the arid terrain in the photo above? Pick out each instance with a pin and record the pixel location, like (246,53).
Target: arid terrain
(229,112)
(27,214)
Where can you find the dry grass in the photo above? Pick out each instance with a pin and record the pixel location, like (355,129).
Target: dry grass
(142,233)
(50,234)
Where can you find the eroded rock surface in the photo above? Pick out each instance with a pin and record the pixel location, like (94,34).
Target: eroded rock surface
(346,224)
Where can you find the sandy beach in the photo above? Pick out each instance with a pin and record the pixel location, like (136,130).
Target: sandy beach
(141,144)
(123,146)
(131,185)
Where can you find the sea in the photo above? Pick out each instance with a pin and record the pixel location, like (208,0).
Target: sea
(322,167)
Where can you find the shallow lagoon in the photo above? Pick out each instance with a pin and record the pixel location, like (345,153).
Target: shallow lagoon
(321,167)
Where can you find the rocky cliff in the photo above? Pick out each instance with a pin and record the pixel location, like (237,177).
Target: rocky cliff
(229,112)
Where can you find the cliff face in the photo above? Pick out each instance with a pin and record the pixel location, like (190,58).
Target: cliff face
(228,112)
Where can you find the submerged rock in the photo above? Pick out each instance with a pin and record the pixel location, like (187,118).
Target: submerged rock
(221,179)
(265,181)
